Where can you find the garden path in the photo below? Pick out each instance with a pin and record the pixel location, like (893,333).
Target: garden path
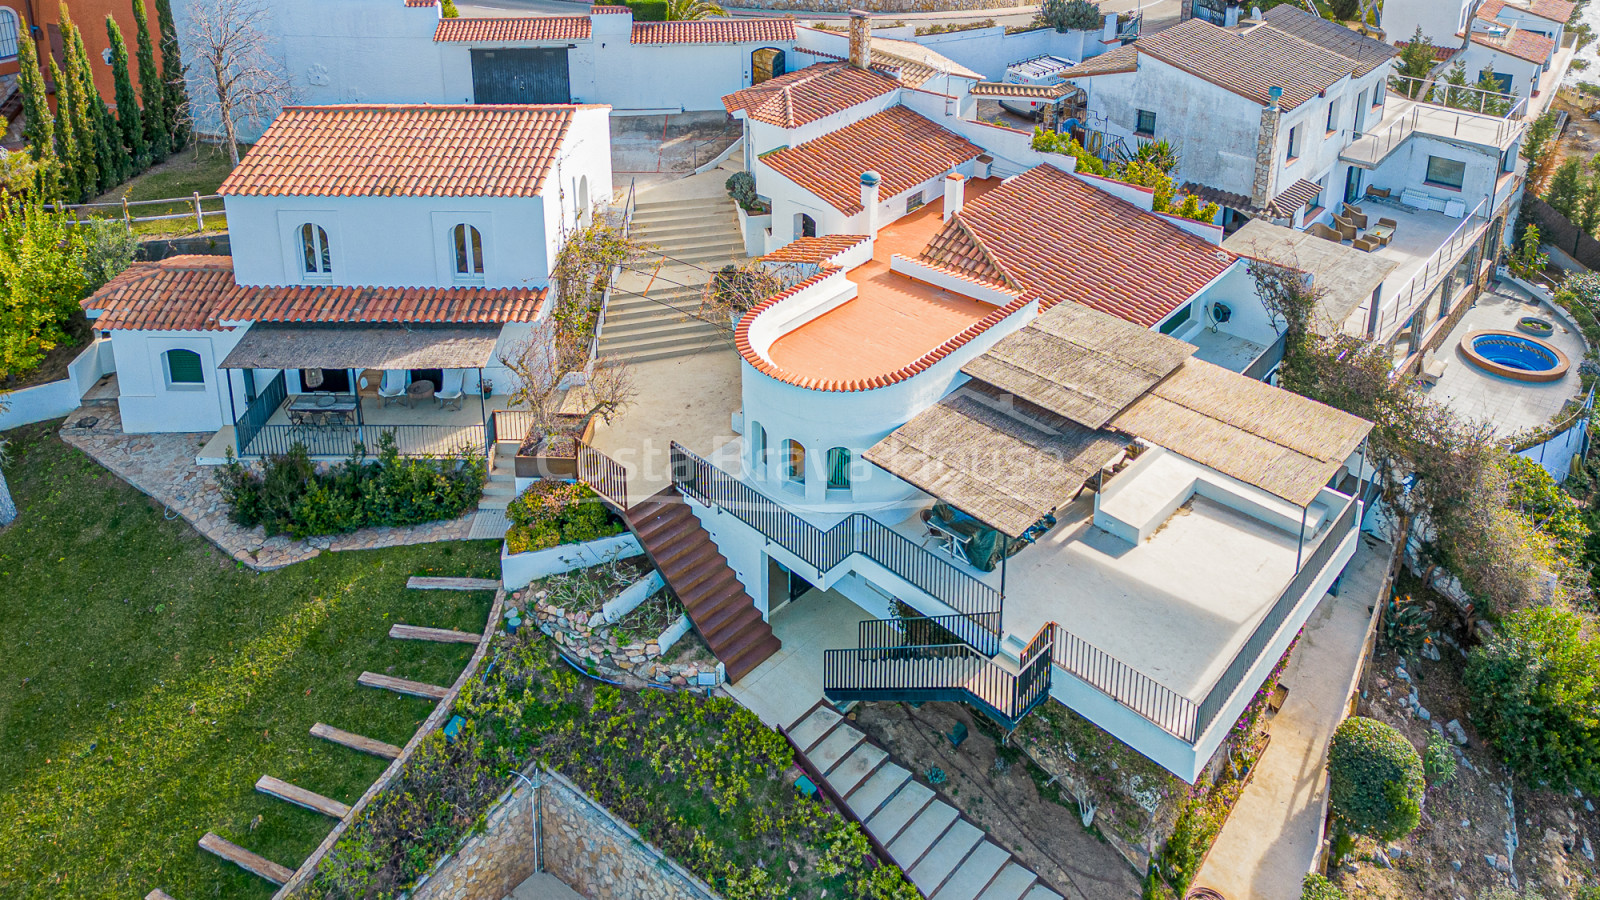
(163,466)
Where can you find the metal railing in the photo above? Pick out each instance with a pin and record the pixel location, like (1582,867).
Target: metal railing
(258,412)
(341,440)
(512,424)
(1291,597)
(1420,285)
(605,475)
(1163,706)
(1428,119)
(194,201)
(1474,99)
(975,601)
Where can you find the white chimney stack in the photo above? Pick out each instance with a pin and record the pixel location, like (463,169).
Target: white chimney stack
(1109,32)
(954,194)
(869,200)
(860,39)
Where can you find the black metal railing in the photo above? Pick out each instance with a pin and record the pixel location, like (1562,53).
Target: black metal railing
(978,603)
(1166,708)
(258,412)
(1291,597)
(888,668)
(605,475)
(341,440)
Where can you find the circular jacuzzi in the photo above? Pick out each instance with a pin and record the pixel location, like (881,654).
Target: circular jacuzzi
(1515,356)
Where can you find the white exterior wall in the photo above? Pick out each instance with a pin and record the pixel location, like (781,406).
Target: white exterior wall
(149,403)
(1441,20)
(1407,167)
(1524,75)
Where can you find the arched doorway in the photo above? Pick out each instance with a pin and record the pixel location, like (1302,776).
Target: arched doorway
(804,225)
(765,64)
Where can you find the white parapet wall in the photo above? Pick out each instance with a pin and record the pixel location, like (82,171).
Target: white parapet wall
(55,399)
(518,569)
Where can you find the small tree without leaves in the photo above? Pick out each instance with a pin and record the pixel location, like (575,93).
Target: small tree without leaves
(1375,780)
(238,81)
(1534,690)
(535,363)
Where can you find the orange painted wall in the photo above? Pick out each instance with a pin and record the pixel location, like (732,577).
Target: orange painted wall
(90,17)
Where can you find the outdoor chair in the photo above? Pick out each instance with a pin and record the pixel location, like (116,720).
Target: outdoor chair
(393,387)
(1391,224)
(1354,214)
(1347,229)
(1373,191)
(1366,244)
(450,396)
(1326,233)
(1432,369)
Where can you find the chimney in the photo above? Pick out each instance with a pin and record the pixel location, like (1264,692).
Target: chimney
(1266,149)
(860,39)
(954,194)
(1108,34)
(869,200)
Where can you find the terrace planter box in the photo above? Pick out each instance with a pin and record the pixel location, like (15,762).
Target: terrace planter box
(754,227)
(517,569)
(554,458)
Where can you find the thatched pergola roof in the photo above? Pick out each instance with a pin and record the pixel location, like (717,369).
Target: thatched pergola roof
(363,347)
(1278,441)
(1079,363)
(1001,460)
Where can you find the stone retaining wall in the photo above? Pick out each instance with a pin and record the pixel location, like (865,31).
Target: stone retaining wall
(582,844)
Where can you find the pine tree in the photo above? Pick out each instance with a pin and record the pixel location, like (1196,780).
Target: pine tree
(1455,93)
(1492,99)
(78,172)
(1566,187)
(177,105)
(37,126)
(157,131)
(1416,61)
(111,163)
(129,120)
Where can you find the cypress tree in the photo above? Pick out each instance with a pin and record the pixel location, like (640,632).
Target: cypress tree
(129,121)
(37,127)
(157,131)
(76,171)
(177,105)
(111,162)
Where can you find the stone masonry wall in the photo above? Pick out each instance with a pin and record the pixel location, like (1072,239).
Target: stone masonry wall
(583,845)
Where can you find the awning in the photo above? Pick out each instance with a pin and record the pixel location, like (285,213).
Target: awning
(995,457)
(363,347)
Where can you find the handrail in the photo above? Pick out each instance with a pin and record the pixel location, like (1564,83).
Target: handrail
(1421,281)
(258,412)
(1162,706)
(605,475)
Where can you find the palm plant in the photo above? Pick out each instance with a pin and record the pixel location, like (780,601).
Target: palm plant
(690,10)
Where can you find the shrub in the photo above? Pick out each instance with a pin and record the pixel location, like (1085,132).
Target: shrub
(286,494)
(1344,10)
(1375,779)
(1318,887)
(551,513)
(1534,686)
(1437,759)
(1070,15)
(648,10)
(741,186)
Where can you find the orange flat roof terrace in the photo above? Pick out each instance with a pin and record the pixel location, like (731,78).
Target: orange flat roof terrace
(893,320)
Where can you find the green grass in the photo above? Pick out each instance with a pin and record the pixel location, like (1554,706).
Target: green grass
(199,169)
(147,681)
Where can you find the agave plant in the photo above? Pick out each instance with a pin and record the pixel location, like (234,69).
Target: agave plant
(689,10)
(1405,625)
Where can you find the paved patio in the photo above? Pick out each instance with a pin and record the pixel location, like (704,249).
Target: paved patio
(163,466)
(1510,406)
(789,682)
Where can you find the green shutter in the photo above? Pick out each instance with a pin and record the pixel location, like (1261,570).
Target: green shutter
(839,469)
(183,367)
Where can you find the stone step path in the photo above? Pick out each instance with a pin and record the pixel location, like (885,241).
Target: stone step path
(489,525)
(355,741)
(945,856)
(402,686)
(438,635)
(244,859)
(427,583)
(299,796)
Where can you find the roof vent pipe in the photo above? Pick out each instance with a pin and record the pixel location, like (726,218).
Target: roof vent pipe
(1274,95)
(869,201)
(860,39)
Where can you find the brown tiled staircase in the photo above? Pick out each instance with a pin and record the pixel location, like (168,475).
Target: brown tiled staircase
(707,587)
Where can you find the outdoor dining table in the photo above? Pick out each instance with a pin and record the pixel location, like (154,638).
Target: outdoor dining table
(418,390)
(1381,232)
(306,408)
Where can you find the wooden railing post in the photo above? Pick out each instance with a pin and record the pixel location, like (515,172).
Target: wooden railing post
(199,214)
(126,218)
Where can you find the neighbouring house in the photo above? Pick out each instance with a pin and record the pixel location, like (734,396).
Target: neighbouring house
(44,24)
(384,257)
(1523,43)
(971,410)
(385,51)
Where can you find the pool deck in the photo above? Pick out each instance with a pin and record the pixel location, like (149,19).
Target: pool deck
(1510,406)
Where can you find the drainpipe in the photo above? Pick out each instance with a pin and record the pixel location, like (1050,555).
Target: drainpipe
(538,820)
(1267,148)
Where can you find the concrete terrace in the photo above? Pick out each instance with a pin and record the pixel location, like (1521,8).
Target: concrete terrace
(1510,406)
(1418,236)
(1403,117)
(893,320)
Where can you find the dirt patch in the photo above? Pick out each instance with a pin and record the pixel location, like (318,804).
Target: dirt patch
(1000,790)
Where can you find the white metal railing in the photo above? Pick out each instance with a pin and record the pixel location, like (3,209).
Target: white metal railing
(1427,118)
(1432,91)
(1420,286)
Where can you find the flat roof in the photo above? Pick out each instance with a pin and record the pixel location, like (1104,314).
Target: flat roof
(1346,276)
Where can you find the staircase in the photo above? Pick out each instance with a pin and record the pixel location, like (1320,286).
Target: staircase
(501,487)
(653,312)
(707,587)
(945,856)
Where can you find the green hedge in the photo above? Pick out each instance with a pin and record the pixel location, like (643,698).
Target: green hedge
(286,494)
(551,513)
(1375,781)
(700,778)
(648,10)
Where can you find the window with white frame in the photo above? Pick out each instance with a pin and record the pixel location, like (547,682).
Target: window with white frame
(8,33)
(468,246)
(758,449)
(318,261)
(1333,116)
(1294,145)
(183,369)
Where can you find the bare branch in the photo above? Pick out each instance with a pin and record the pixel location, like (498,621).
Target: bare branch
(239,82)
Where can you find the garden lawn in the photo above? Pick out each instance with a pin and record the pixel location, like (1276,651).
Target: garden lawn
(199,169)
(148,680)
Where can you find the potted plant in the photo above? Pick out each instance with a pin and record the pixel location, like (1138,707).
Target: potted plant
(486,386)
(561,417)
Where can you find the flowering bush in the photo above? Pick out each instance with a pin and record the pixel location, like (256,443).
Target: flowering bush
(551,513)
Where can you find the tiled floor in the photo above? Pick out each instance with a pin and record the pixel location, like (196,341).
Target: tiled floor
(789,683)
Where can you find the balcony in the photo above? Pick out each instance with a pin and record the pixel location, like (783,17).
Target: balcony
(1425,249)
(1403,118)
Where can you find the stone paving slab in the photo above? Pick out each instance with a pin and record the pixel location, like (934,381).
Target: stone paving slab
(883,783)
(974,875)
(943,857)
(917,837)
(163,466)
(856,767)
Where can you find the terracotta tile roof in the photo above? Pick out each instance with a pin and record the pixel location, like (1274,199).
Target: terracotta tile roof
(1441,54)
(1024,91)
(598,10)
(714,31)
(1368,53)
(917,64)
(1283,206)
(1529,46)
(403,151)
(1116,62)
(519,28)
(1248,63)
(422,2)
(806,95)
(903,147)
(815,249)
(1062,239)
(184,293)
(1552,10)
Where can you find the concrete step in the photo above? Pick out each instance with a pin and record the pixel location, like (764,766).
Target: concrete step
(883,784)
(686,349)
(811,727)
(647,213)
(975,873)
(899,811)
(945,856)
(855,768)
(668,323)
(924,830)
(700,224)
(634,349)
(1013,881)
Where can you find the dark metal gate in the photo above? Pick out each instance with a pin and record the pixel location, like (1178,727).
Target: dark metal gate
(521,76)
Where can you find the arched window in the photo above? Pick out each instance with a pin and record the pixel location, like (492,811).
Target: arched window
(183,368)
(794,462)
(314,244)
(839,469)
(8,33)
(469,251)
(758,449)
